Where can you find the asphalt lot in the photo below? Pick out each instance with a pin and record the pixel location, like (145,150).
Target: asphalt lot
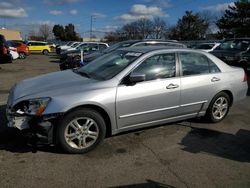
(184,154)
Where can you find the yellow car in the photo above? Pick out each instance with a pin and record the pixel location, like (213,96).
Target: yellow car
(39,47)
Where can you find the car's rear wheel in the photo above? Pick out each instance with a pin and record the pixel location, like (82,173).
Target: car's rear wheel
(45,52)
(218,108)
(81,131)
(22,55)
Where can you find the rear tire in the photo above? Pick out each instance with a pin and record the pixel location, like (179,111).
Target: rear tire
(81,131)
(22,55)
(218,108)
(45,52)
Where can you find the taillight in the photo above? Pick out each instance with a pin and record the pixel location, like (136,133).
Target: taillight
(245,78)
(5,51)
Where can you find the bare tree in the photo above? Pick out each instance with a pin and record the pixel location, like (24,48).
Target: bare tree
(210,19)
(145,28)
(159,28)
(45,31)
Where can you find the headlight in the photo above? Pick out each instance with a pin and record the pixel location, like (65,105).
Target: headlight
(32,107)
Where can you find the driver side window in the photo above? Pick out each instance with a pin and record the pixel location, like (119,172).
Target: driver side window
(158,67)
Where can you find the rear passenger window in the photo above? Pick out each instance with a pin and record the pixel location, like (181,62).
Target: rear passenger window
(194,64)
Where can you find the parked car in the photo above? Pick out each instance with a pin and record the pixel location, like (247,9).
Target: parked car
(39,47)
(99,45)
(65,47)
(13,52)
(5,56)
(21,47)
(231,49)
(124,90)
(207,47)
(58,47)
(71,59)
(132,43)
(245,59)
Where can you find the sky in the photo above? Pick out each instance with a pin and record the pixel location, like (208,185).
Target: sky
(107,15)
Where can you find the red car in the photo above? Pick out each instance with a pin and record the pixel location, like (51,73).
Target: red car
(21,47)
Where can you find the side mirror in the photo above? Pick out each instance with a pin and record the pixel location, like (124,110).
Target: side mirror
(137,77)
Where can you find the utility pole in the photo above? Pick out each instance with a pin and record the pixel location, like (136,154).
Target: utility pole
(92,17)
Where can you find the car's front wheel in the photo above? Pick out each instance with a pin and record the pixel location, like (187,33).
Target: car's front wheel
(218,108)
(81,131)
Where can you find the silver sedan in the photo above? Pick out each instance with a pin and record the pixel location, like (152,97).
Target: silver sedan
(124,90)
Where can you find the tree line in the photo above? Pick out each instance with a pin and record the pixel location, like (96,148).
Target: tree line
(235,22)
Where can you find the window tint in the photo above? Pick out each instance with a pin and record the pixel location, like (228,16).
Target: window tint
(194,63)
(158,66)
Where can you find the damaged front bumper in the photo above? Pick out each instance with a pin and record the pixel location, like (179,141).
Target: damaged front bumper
(42,127)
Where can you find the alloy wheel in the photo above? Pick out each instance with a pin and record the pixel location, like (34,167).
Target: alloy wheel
(81,133)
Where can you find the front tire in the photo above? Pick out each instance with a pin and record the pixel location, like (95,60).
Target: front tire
(81,131)
(218,108)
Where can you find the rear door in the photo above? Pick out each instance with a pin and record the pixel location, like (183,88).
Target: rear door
(200,79)
(153,100)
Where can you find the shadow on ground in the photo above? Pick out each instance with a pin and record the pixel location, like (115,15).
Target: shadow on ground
(148,184)
(199,140)
(230,146)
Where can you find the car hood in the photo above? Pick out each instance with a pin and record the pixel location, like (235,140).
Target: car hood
(92,56)
(52,84)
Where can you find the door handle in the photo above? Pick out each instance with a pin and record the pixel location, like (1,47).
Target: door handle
(215,79)
(172,86)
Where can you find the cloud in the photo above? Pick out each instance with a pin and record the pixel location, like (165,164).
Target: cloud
(73,12)
(98,15)
(218,7)
(60,2)
(107,28)
(56,12)
(159,3)
(42,22)
(8,10)
(139,11)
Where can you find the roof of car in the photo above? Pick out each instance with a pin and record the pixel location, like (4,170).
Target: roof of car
(146,49)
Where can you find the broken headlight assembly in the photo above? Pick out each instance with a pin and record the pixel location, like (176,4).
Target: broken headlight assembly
(34,107)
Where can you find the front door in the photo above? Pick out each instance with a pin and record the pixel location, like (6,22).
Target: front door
(153,100)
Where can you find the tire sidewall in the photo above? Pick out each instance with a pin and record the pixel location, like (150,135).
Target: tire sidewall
(80,113)
(209,114)
(45,52)
(22,55)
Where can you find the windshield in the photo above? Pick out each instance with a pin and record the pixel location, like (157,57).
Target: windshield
(81,46)
(74,45)
(109,65)
(241,45)
(116,46)
(69,43)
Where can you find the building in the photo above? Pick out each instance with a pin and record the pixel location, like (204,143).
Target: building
(10,34)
